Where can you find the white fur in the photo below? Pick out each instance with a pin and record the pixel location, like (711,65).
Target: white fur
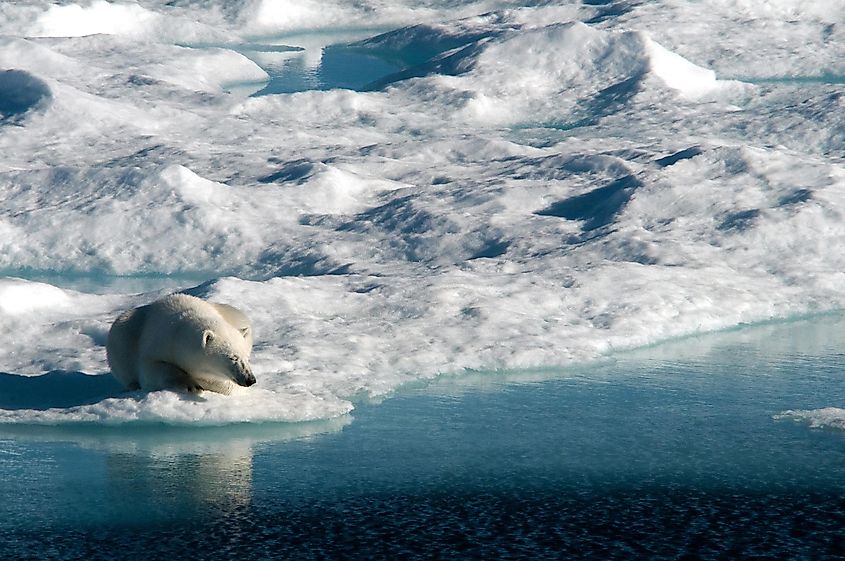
(181,342)
(237,318)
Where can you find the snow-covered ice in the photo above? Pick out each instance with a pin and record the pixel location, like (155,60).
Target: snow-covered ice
(538,185)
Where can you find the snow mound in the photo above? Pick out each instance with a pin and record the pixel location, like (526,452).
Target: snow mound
(678,73)
(19,297)
(100,16)
(287,15)
(502,73)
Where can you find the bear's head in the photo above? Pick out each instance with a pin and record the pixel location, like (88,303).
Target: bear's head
(224,358)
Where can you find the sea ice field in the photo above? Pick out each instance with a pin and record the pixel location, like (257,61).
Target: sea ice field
(396,190)
(399,193)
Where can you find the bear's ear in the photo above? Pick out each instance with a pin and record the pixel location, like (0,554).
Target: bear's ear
(207,337)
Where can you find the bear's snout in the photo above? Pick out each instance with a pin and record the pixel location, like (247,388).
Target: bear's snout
(245,377)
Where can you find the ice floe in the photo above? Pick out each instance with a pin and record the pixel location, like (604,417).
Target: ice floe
(535,186)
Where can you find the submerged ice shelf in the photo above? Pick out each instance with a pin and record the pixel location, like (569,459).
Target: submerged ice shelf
(519,186)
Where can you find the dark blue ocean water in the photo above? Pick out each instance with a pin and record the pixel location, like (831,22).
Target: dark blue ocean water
(670,452)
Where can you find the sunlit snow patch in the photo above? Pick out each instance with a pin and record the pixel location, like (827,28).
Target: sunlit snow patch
(75,20)
(22,297)
(283,15)
(678,73)
(210,70)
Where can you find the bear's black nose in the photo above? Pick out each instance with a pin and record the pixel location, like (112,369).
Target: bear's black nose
(245,376)
(243,373)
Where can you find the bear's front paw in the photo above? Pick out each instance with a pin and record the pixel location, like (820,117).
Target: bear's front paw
(193,387)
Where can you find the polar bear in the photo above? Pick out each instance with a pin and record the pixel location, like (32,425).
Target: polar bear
(181,342)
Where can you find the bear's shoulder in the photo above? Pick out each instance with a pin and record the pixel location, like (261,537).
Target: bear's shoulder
(184,306)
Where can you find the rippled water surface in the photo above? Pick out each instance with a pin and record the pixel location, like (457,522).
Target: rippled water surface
(669,452)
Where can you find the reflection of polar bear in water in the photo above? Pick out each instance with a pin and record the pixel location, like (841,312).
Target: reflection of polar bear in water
(181,342)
